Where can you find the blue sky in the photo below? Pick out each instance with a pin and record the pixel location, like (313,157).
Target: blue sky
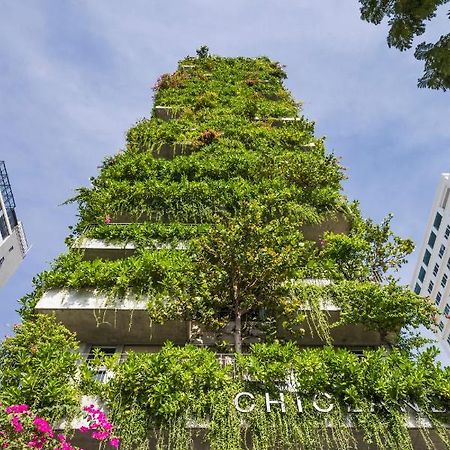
(75,75)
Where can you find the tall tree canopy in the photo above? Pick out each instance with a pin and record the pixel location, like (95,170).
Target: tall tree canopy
(407,20)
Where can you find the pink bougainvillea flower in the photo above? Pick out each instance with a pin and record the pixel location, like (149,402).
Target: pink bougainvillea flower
(17,409)
(37,442)
(114,442)
(84,429)
(16,424)
(100,435)
(43,426)
(108,219)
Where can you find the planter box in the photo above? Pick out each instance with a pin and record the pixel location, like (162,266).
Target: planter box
(167,113)
(336,223)
(170,150)
(100,320)
(280,121)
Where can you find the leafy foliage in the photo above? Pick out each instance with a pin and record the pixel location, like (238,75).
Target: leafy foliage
(406,21)
(236,214)
(38,367)
(166,391)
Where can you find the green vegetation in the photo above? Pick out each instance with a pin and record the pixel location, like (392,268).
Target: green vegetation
(407,20)
(167,391)
(38,367)
(239,223)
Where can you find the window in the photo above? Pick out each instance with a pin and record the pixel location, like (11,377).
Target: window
(11,248)
(430,287)
(448,339)
(441,251)
(444,280)
(441,325)
(435,269)
(437,221)
(448,263)
(422,274)
(447,232)
(446,309)
(432,239)
(417,288)
(2,260)
(101,373)
(426,257)
(438,298)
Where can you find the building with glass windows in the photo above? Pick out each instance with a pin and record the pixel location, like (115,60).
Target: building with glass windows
(13,242)
(432,271)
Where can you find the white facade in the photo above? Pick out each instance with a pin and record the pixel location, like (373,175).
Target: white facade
(432,272)
(13,242)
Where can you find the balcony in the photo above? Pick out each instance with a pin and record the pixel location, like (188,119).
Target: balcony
(167,113)
(171,150)
(280,121)
(97,319)
(12,251)
(100,320)
(336,223)
(98,248)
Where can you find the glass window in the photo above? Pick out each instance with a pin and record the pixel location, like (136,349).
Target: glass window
(417,288)
(95,350)
(446,309)
(448,263)
(447,232)
(438,298)
(101,373)
(441,251)
(432,239)
(430,287)
(441,325)
(426,257)
(422,274)
(448,339)
(444,280)
(435,269)
(437,221)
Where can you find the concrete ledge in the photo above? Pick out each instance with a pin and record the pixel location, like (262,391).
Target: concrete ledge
(337,223)
(98,248)
(167,113)
(99,320)
(171,150)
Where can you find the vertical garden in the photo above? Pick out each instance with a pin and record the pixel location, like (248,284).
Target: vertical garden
(238,226)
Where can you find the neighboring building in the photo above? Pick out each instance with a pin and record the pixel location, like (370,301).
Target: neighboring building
(13,242)
(432,272)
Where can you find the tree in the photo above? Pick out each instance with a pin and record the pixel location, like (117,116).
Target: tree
(246,262)
(406,20)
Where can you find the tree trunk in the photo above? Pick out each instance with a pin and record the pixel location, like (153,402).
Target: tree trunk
(237,320)
(238,332)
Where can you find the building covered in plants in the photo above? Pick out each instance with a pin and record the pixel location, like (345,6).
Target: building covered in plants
(223,292)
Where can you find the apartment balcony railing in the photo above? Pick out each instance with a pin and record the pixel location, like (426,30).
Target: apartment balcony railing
(99,248)
(104,374)
(24,245)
